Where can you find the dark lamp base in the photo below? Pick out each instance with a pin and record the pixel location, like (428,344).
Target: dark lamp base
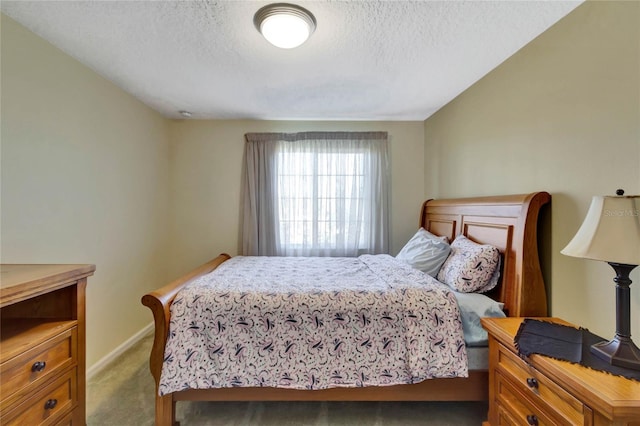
(620,351)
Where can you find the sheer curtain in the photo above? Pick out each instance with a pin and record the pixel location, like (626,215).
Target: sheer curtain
(316,194)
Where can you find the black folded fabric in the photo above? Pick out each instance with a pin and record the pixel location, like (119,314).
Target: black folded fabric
(564,343)
(546,338)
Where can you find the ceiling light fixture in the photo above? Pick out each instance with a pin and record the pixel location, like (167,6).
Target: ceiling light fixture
(284,25)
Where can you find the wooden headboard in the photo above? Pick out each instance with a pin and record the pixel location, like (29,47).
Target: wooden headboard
(508,222)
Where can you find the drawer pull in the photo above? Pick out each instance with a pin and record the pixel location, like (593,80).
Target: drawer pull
(38,366)
(533,383)
(50,404)
(532,420)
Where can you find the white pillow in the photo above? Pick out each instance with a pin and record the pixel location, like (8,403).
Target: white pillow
(471,267)
(425,252)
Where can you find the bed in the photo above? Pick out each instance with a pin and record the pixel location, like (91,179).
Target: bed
(509,223)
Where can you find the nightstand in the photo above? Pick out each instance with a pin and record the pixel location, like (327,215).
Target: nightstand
(545,391)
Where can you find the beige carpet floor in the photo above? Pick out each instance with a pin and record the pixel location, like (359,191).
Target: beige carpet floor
(123,394)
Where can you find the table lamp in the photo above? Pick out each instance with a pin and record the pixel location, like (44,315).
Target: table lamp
(611,233)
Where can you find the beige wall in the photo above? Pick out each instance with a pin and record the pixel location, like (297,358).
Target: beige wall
(206,181)
(84,180)
(561,115)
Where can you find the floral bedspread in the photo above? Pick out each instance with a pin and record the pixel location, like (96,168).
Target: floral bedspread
(312,323)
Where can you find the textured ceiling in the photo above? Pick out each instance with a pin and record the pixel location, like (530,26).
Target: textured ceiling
(367,60)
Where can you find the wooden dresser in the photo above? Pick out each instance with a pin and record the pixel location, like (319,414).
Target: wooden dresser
(42,344)
(545,391)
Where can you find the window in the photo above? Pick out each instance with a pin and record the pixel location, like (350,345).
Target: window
(320,198)
(316,194)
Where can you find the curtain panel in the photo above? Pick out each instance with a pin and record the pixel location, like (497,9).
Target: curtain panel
(315,194)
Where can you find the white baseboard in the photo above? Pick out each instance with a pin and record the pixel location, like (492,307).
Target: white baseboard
(102,363)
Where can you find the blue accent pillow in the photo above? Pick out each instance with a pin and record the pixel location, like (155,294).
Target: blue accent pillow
(474,306)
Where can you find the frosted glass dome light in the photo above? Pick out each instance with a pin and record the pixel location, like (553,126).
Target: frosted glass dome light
(284,25)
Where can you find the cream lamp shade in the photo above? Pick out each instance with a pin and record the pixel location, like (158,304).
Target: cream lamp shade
(610,231)
(284,25)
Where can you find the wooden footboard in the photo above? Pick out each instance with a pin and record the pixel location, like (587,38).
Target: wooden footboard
(159,302)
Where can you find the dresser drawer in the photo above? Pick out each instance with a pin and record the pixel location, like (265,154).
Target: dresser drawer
(516,408)
(21,375)
(48,406)
(540,389)
(505,418)
(66,421)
